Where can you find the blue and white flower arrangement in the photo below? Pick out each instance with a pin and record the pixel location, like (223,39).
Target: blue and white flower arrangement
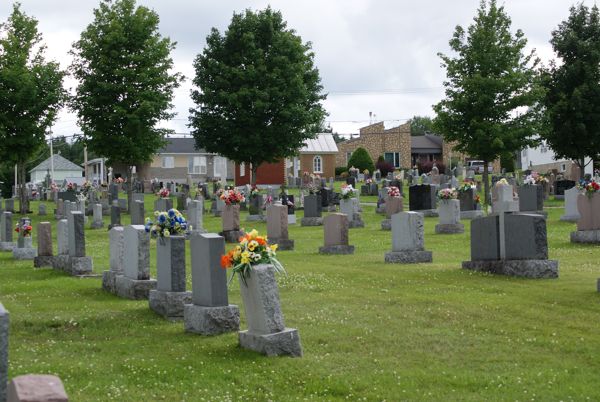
(166,224)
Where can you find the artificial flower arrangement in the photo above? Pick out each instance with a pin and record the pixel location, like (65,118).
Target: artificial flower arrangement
(251,250)
(347,191)
(463,188)
(27,229)
(477,199)
(502,182)
(81,197)
(393,191)
(447,194)
(254,191)
(366,171)
(312,189)
(53,186)
(232,197)
(588,187)
(163,193)
(368,181)
(119,180)
(70,187)
(167,223)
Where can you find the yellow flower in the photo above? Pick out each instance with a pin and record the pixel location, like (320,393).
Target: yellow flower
(253,234)
(166,233)
(236,252)
(274,247)
(245,257)
(252,245)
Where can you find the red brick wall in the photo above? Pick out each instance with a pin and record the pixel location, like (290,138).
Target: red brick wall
(267,173)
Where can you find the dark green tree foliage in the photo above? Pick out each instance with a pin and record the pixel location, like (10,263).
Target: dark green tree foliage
(573,88)
(125,87)
(31,94)
(361,160)
(421,125)
(259,92)
(492,89)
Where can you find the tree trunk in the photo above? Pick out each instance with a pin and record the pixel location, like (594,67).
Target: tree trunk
(486,184)
(129,187)
(253,170)
(581,164)
(23,200)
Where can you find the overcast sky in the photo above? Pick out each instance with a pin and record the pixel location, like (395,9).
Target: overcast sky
(376,56)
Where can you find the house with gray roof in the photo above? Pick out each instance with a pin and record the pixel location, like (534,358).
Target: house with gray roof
(64,169)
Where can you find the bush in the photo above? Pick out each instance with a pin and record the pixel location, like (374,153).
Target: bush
(384,167)
(340,169)
(361,160)
(425,167)
(507,162)
(343,175)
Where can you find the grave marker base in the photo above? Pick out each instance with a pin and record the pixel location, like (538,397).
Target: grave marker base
(429,212)
(60,262)
(256,218)
(286,342)
(520,268)
(386,224)
(570,218)
(356,221)
(586,236)
(109,281)
(282,244)
(340,249)
(36,387)
(7,246)
(79,266)
(449,228)
(43,261)
(24,253)
(232,236)
(96,225)
(211,320)
(134,289)
(311,222)
(380,209)
(471,214)
(169,304)
(408,257)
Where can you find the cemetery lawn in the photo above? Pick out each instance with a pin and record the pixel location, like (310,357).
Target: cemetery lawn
(370,331)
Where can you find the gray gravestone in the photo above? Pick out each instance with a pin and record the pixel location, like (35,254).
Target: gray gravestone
(4,325)
(6,232)
(115,216)
(408,239)
(42,210)
(277,226)
(97,221)
(335,229)
(116,244)
(79,263)
(137,212)
(571,211)
(195,216)
(45,255)
(136,283)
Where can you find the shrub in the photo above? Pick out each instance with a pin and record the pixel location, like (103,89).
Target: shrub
(425,167)
(343,175)
(361,160)
(384,167)
(340,169)
(507,161)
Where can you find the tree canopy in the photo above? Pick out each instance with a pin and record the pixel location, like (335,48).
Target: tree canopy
(421,125)
(258,96)
(125,87)
(31,92)
(572,98)
(492,91)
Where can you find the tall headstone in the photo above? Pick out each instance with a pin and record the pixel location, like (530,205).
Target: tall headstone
(504,200)
(588,225)
(4,324)
(9,205)
(349,208)
(61,259)
(135,283)
(531,198)
(195,216)
(335,229)
(170,294)
(230,220)
(6,232)
(163,204)
(277,227)
(449,213)
(79,263)
(422,198)
(571,211)
(115,216)
(312,211)
(45,255)
(209,313)
(137,213)
(97,221)
(393,205)
(408,239)
(116,244)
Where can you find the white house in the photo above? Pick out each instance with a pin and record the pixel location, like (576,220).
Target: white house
(64,169)
(542,159)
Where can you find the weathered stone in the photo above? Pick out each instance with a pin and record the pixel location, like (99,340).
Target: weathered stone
(469,215)
(393,205)
(585,236)
(42,209)
(449,213)
(6,232)
(45,254)
(209,321)
(589,211)
(230,218)
(170,264)
(26,252)
(137,212)
(408,231)
(286,342)
(531,198)
(134,289)
(537,269)
(571,211)
(136,259)
(4,325)
(62,236)
(36,388)
(504,199)
(408,257)
(115,216)
(168,304)
(335,229)
(422,197)
(195,216)
(76,234)
(277,227)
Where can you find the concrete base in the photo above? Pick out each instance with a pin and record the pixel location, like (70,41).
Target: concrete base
(408,257)
(586,236)
(43,261)
(544,213)
(110,226)
(169,304)
(211,320)
(570,218)
(134,289)
(380,209)
(283,244)
(24,253)
(471,214)
(311,222)
(452,228)
(386,224)
(559,197)
(109,281)
(336,250)
(7,246)
(429,212)
(256,218)
(61,262)
(232,236)
(96,225)
(80,266)
(217,213)
(519,268)
(356,222)
(286,342)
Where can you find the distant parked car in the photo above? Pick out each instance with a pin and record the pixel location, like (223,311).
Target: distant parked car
(477,166)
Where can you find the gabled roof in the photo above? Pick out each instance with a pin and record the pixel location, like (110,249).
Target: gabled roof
(427,143)
(322,144)
(181,145)
(60,163)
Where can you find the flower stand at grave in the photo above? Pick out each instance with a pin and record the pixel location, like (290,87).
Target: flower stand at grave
(230,220)
(209,312)
(513,244)
(79,263)
(348,207)
(266,333)
(6,232)
(61,259)
(588,225)
(449,212)
(277,227)
(45,256)
(312,211)
(24,249)
(393,205)
(170,295)
(571,210)
(116,261)
(408,244)
(335,229)
(135,283)
(97,221)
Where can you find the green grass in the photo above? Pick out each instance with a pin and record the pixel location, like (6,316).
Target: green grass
(370,331)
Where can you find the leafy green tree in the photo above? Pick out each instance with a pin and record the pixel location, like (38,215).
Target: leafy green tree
(421,125)
(491,106)
(361,160)
(259,96)
(572,98)
(125,85)
(31,92)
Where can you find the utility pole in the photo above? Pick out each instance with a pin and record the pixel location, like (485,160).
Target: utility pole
(51,159)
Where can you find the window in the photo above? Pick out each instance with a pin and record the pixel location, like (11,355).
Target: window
(242,169)
(168,162)
(563,167)
(197,164)
(393,158)
(317,164)
(219,167)
(348,156)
